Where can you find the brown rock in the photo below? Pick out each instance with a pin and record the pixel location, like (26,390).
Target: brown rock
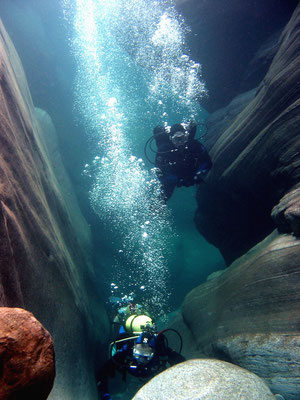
(27,366)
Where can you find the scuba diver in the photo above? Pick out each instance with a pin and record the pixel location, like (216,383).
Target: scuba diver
(181,160)
(138,350)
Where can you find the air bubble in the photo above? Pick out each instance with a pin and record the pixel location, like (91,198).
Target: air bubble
(125,195)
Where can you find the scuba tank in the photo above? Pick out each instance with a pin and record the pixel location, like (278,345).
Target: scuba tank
(136,324)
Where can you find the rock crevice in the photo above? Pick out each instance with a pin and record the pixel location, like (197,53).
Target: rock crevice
(256,158)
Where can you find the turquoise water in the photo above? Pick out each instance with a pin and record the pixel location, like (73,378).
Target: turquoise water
(133,73)
(108,72)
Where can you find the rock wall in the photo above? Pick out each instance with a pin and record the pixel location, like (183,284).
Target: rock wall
(221,119)
(250,314)
(44,259)
(226,37)
(256,158)
(41,40)
(249,208)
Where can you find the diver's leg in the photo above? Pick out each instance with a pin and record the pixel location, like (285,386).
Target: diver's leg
(107,371)
(168,184)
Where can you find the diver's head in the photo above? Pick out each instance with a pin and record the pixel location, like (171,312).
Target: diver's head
(144,348)
(179,136)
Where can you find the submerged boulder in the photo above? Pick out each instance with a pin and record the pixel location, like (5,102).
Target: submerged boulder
(250,315)
(26,355)
(205,380)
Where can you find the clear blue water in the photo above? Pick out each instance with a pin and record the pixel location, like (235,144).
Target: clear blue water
(108,72)
(118,69)
(133,73)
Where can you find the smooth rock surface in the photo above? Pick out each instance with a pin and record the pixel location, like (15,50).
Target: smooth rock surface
(286,214)
(221,119)
(261,61)
(256,159)
(49,140)
(273,356)
(250,315)
(205,380)
(45,264)
(226,35)
(26,356)
(215,275)
(190,349)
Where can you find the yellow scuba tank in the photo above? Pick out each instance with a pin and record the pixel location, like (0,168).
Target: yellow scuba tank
(136,324)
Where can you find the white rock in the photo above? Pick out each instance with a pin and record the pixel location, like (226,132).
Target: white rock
(205,379)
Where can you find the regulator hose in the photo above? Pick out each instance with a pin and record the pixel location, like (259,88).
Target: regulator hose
(177,333)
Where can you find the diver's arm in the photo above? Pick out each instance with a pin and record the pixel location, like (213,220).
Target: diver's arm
(108,371)
(202,158)
(192,129)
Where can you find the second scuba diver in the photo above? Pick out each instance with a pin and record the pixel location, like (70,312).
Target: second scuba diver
(138,350)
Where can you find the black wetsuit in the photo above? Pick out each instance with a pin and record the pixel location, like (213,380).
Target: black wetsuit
(180,167)
(124,362)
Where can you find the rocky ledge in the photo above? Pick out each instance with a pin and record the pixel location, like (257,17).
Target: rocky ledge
(250,314)
(256,158)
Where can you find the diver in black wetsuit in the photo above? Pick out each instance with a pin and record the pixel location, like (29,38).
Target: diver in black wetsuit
(181,159)
(139,350)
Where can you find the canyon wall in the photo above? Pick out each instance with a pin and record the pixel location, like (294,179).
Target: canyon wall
(225,38)
(255,158)
(249,207)
(45,247)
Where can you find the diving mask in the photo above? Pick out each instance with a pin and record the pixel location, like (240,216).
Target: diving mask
(179,139)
